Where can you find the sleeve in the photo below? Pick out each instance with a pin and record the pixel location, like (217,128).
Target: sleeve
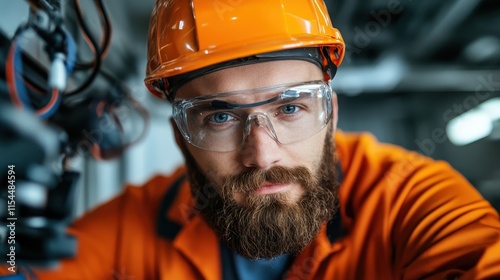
(117,239)
(446,229)
(96,234)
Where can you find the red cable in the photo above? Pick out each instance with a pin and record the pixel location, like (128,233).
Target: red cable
(10,76)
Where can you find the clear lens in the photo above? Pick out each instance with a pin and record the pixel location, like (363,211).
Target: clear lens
(289,113)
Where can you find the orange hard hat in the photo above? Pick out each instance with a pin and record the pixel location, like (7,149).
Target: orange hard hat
(188,35)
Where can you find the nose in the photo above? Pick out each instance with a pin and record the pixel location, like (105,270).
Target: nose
(260,149)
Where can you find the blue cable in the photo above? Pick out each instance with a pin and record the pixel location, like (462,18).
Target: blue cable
(71,52)
(70,63)
(18,70)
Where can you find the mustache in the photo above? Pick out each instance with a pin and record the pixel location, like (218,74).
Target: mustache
(251,179)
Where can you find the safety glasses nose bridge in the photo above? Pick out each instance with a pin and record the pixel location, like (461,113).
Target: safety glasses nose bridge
(260,120)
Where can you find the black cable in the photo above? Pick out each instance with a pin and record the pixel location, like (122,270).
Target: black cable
(99,51)
(106,24)
(97,58)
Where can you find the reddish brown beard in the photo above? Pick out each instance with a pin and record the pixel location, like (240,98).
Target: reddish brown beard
(266,226)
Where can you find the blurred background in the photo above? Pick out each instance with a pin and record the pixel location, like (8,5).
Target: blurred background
(421,74)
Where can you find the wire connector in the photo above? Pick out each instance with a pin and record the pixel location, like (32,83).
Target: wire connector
(58,74)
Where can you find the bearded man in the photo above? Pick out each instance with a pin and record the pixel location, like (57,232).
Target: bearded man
(271,188)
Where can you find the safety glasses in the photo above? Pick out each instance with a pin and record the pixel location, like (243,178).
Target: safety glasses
(288,113)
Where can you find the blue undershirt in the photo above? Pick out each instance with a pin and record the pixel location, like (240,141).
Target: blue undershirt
(237,267)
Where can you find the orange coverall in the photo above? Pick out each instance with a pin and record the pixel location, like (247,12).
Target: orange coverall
(404,216)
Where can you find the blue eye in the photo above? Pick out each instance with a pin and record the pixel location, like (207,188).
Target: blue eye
(219,117)
(289,109)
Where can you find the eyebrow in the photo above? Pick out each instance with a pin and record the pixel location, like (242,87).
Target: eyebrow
(219,104)
(223,105)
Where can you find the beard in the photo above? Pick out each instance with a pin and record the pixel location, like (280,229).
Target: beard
(266,226)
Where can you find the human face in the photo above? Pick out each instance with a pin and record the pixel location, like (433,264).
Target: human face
(267,198)
(260,150)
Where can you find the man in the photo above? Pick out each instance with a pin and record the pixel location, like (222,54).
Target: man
(271,188)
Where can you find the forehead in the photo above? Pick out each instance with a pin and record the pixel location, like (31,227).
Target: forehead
(251,76)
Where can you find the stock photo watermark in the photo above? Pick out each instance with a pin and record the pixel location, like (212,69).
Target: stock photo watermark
(11,218)
(427,146)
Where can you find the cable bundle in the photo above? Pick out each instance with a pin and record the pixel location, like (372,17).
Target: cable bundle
(61,49)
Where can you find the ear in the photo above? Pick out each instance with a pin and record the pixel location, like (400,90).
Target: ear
(335,108)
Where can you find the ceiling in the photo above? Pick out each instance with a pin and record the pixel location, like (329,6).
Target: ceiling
(392,45)
(422,46)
